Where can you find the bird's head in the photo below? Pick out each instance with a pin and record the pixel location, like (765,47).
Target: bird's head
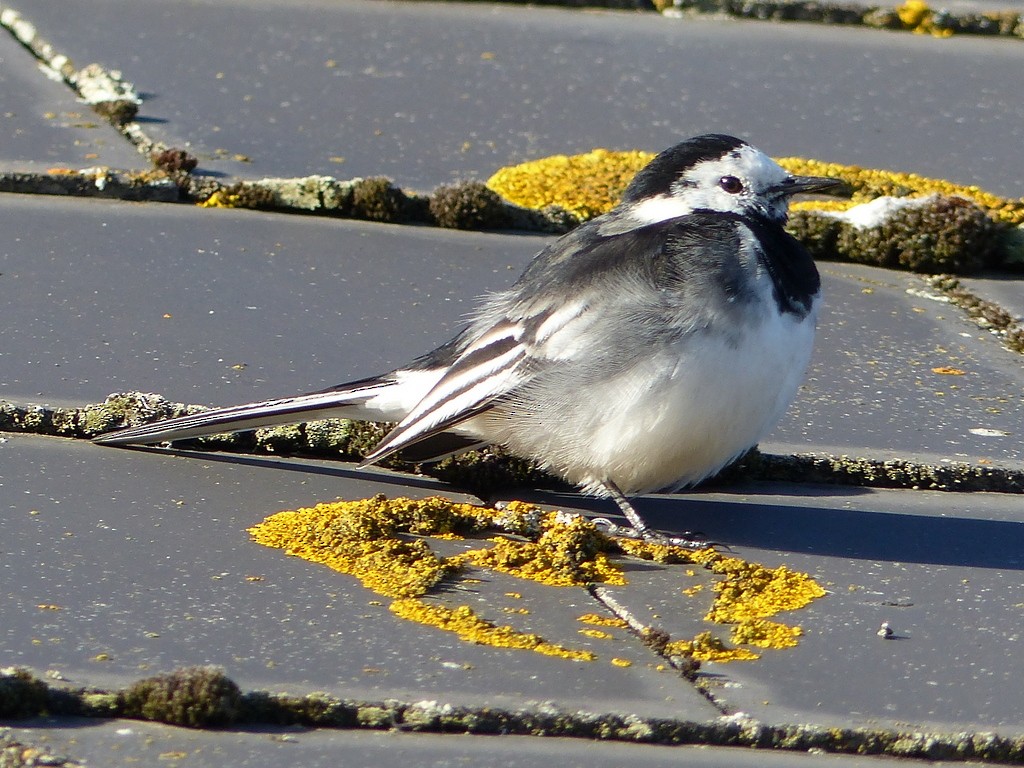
(716,173)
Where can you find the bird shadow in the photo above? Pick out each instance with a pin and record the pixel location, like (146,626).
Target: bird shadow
(934,536)
(334,469)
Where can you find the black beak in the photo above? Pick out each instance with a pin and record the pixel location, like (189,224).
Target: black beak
(795,185)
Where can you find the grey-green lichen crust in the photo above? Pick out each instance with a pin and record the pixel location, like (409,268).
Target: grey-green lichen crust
(985,314)
(338,438)
(16,753)
(875,473)
(462,205)
(489,470)
(912,16)
(201,697)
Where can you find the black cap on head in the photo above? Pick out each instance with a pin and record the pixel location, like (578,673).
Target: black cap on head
(657,176)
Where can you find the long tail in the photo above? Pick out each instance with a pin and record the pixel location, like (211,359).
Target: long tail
(373,399)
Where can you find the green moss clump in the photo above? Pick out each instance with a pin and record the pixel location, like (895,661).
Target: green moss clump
(174,161)
(355,438)
(284,439)
(941,234)
(339,438)
(117,111)
(315,709)
(15,418)
(380,716)
(22,695)
(882,18)
(194,697)
(348,438)
(818,232)
(377,199)
(945,234)
(655,639)
(487,470)
(95,704)
(247,195)
(468,205)
(1014,340)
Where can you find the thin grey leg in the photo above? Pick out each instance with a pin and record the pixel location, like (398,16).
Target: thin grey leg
(641,530)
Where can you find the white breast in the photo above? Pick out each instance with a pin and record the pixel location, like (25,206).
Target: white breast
(680,416)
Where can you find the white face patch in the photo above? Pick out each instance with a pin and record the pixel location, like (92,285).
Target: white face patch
(741,182)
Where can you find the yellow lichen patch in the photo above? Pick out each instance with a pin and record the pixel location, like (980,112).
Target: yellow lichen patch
(765,634)
(385,544)
(592,183)
(752,591)
(586,185)
(913,13)
(597,634)
(707,647)
(919,18)
(220,199)
(833,206)
(595,620)
(555,558)
(323,534)
(373,540)
(464,622)
(666,554)
(359,538)
(622,662)
(748,594)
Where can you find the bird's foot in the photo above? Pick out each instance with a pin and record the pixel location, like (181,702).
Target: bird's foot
(686,539)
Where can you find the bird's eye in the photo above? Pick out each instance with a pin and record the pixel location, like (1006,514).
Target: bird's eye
(731,184)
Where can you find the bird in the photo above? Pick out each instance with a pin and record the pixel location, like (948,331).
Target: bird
(642,351)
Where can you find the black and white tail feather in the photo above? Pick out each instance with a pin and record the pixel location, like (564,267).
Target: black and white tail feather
(643,351)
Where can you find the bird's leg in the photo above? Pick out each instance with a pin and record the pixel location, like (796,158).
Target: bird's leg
(640,529)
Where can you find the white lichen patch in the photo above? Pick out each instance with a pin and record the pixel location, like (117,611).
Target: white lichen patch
(878,211)
(96,85)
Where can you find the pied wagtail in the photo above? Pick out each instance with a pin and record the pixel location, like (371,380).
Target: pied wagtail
(643,351)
